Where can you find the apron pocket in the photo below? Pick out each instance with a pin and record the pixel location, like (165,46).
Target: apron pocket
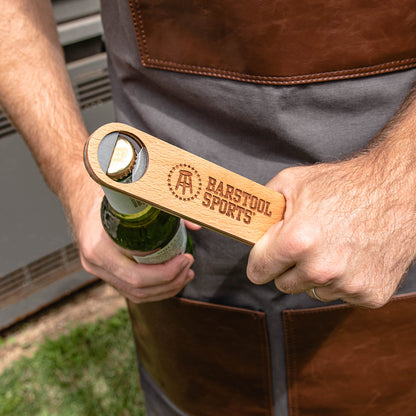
(347,361)
(281,42)
(208,359)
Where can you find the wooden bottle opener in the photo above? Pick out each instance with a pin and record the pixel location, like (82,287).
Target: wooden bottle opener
(186,185)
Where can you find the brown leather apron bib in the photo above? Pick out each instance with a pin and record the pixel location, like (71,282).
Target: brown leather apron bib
(277,41)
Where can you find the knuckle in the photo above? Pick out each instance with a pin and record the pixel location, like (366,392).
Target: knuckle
(290,288)
(87,253)
(287,176)
(354,289)
(86,265)
(323,273)
(88,258)
(302,241)
(88,250)
(134,282)
(288,179)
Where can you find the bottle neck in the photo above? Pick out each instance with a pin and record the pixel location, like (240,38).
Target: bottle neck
(123,203)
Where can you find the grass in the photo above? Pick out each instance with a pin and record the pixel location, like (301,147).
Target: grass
(90,371)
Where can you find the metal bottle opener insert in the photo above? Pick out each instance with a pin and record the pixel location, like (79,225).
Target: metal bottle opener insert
(106,150)
(186,185)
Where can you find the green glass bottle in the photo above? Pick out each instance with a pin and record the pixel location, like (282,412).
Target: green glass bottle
(152,235)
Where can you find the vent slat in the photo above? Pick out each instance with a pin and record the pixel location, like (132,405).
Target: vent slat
(15,275)
(7,131)
(3,118)
(95,90)
(87,101)
(96,101)
(99,79)
(102,90)
(5,124)
(38,274)
(9,285)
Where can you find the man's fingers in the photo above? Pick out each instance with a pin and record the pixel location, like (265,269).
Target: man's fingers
(323,293)
(352,292)
(154,275)
(147,283)
(163,291)
(266,260)
(192,226)
(292,281)
(138,282)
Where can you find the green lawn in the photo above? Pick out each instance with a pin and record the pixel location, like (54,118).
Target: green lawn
(90,371)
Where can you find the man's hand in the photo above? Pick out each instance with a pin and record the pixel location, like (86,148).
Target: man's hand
(348,232)
(101,257)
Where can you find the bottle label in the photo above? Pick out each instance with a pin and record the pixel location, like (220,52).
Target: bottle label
(177,245)
(123,203)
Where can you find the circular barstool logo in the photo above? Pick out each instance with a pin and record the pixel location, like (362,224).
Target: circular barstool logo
(184,182)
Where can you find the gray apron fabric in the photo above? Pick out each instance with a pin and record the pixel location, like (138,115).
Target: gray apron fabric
(253,130)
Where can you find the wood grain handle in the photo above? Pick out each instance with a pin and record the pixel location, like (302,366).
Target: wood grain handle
(186,185)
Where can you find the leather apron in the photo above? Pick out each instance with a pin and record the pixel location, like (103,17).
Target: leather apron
(213,359)
(277,42)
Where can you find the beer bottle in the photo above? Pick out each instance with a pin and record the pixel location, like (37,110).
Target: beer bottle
(155,236)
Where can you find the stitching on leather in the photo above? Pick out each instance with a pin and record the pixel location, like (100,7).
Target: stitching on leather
(410,297)
(171,63)
(139,29)
(284,80)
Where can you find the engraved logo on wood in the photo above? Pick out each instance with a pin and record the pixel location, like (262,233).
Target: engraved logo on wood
(233,202)
(184,182)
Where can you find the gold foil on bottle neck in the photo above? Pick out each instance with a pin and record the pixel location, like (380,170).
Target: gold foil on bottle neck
(122,159)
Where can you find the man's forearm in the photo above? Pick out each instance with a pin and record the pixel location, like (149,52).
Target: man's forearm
(397,138)
(349,230)
(35,89)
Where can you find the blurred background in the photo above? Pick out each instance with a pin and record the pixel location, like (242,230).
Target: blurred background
(39,262)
